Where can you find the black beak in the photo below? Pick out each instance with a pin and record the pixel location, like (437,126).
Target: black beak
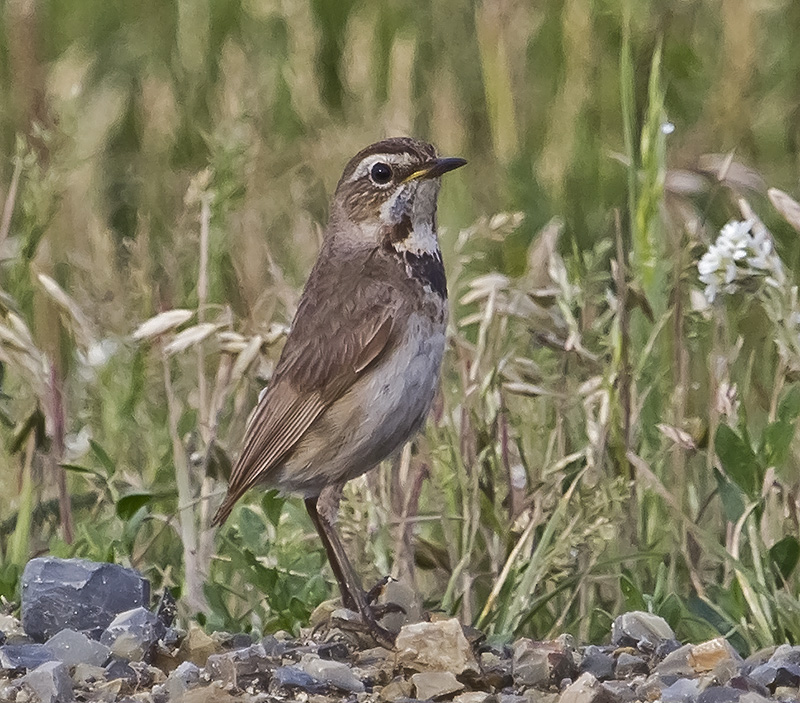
(437,168)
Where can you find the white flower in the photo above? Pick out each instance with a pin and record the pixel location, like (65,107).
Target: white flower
(743,251)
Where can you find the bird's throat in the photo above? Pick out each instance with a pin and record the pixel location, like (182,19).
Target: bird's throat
(417,248)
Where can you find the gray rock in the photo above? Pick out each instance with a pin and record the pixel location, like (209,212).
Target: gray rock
(720,694)
(335,673)
(753,697)
(133,633)
(12,632)
(76,593)
(336,651)
(435,684)
(628,665)
(766,675)
(435,646)
(587,689)
(21,657)
(72,647)
(50,682)
(598,663)
(85,675)
(786,661)
(120,669)
(682,691)
(239,668)
(644,631)
(747,683)
(184,677)
(292,677)
(540,663)
(274,647)
(621,691)
(677,663)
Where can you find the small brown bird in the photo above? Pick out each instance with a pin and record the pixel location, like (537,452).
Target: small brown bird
(361,364)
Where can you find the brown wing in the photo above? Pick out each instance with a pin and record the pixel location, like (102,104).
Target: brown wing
(334,340)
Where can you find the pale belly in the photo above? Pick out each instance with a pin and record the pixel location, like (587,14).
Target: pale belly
(374,418)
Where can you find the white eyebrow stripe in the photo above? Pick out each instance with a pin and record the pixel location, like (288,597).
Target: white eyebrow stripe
(393,159)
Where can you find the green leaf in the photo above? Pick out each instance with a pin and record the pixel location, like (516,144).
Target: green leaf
(739,461)
(78,469)
(272,503)
(129,504)
(102,456)
(634,600)
(252,530)
(731,494)
(778,435)
(784,555)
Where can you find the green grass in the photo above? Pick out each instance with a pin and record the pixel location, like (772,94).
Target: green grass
(600,442)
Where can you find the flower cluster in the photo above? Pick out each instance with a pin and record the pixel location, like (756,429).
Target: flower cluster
(743,252)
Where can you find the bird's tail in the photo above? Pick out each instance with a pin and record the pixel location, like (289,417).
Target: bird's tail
(224,510)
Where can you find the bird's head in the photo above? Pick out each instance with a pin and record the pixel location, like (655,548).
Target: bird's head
(389,190)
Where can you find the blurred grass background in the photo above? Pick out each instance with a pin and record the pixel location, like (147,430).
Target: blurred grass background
(175,154)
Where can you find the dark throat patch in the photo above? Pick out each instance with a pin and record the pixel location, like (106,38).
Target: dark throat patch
(426,268)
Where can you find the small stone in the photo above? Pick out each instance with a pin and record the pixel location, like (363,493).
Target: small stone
(621,691)
(787,693)
(747,683)
(239,668)
(587,689)
(213,693)
(337,651)
(72,647)
(182,679)
(628,665)
(292,677)
(120,669)
(644,631)
(335,673)
(50,682)
(720,694)
(598,663)
(682,691)
(133,633)
(766,674)
(396,690)
(540,663)
(435,684)
(471,697)
(375,655)
(706,656)
(676,663)
(401,594)
(534,696)
(12,630)
(21,657)
(324,611)
(753,697)
(83,595)
(786,661)
(435,646)
(197,646)
(495,671)
(84,675)
(273,647)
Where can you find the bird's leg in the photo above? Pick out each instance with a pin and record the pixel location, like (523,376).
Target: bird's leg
(353,595)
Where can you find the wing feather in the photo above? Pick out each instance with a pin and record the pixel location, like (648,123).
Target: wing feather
(309,378)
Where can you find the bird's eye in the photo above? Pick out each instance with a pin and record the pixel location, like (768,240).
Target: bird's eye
(381,173)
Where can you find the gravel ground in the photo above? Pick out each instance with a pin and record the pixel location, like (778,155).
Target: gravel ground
(86,634)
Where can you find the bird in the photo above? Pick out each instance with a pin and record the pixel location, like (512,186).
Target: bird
(361,363)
